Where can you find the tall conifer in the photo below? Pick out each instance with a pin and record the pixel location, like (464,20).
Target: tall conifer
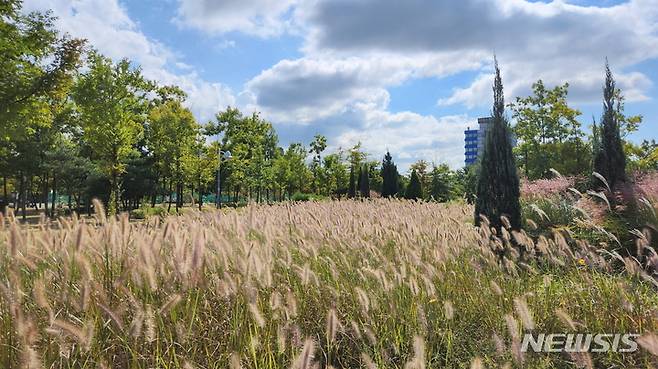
(414,189)
(364,182)
(389,174)
(352,189)
(498,181)
(610,160)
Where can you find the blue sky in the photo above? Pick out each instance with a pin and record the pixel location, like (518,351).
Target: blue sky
(408,76)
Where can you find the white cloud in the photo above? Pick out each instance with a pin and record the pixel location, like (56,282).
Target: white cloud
(410,137)
(263,18)
(311,88)
(107,26)
(356,50)
(347,100)
(558,42)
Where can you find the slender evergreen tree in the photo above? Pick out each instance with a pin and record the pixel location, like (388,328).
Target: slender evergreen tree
(389,174)
(351,193)
(415,188)
(364,182)
(610,160)
(498,181)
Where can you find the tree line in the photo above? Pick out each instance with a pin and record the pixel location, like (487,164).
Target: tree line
(77,125)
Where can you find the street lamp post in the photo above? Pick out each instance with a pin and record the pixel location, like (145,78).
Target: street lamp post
(226,155)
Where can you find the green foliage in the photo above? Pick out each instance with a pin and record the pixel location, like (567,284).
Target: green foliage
(112,101)
(256,164)
(610,160)
(421,168)
(335,178)
(148,212)
(442,183)
(414,190)
(549,133)
(364,181)
(201,166)
(318,145)
(467,179)
(643,157)
(389,173)
(550,213)
(352,190)
(172,137)
(37,66)
(498,182)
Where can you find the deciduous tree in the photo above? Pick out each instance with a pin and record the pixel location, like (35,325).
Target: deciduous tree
(112,100)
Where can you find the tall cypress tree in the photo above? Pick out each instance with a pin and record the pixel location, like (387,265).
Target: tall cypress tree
(364,182)
(415,188)
(352,189)
(610,160)
(389,174)
(498,181)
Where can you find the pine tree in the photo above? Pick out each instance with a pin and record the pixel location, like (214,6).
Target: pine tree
(610,160)
(498,181)
(352,189)
(364,182)
(415,188)
(389,174)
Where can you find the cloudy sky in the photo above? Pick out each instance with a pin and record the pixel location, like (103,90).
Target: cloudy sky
(408,76)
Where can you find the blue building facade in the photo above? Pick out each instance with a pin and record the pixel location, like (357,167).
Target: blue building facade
(474,140)
(470,146)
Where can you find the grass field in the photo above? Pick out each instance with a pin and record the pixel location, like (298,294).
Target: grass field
(373,284)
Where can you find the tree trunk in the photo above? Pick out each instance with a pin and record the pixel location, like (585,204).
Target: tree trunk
(5,195)
(200,195)
(154,195)
(171,192)
(113,203)
(35,204)
(54,204)
(45,193)
(23,197)
(181,198)
(179,189)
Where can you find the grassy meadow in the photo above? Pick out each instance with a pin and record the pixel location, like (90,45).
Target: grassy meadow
(342,284)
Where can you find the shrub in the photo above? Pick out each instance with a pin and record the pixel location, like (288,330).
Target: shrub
(148,212)
(138,213)
(550,213)
(299,196)
(542,188)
